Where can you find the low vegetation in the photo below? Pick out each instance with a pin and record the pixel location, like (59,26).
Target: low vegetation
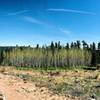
(77,83)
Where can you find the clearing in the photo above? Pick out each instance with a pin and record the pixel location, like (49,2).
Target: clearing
(50,84)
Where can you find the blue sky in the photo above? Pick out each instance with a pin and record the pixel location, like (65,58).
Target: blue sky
(28,22)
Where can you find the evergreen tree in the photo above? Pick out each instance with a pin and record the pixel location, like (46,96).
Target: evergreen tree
(84,44)
(78,44)
(72,45)
(37,46)
(94,46)
(99,46)
(67,46)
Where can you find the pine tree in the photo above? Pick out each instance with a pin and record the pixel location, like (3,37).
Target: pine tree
(99,46)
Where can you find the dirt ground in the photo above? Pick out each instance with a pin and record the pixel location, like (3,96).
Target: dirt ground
(14,88)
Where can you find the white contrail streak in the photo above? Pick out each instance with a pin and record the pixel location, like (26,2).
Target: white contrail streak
(71,11)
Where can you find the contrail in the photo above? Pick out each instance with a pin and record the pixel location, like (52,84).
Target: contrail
(71,11)
(14,13)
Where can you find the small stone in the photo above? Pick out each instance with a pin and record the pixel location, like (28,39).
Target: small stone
(98,66)
(33,89)
(77,80)
(1,98)
(43,89)
(93,97)
(97,86)
(1,94)
(98,78)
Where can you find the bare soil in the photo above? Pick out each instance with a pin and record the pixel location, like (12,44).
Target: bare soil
(17,88)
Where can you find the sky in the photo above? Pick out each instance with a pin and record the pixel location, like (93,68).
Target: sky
(28,22)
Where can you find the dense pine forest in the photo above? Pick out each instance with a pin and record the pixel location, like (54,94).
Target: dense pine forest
(55,55)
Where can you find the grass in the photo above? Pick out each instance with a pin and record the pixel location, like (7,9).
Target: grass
(47,69)
(70,85)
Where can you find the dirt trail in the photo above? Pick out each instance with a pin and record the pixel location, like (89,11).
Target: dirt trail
(14,88)
(9,89)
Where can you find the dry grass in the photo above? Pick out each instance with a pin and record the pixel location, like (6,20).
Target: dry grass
(72,84)
(2,69)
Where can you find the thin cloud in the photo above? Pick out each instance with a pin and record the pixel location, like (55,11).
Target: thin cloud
(71,11)
(15,13)
(32,20)
(67,32)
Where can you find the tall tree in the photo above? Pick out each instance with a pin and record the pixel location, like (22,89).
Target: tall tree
(59,46)
(78,44)
(67,46)
(37,46)
(72,45)
(52,48)
(84,44)
(99,46)
(94,46)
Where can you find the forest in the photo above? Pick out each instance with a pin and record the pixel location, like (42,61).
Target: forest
(72,54)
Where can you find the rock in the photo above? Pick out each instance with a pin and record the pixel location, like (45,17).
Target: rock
(1,98)
(32,89)
(98,66)
(2,70)
(97,86)
(43,89)
(1,94)
(77,80)
(54,73)
(93,97)
(98,78)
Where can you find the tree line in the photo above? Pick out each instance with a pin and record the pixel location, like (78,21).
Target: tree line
(54,55)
